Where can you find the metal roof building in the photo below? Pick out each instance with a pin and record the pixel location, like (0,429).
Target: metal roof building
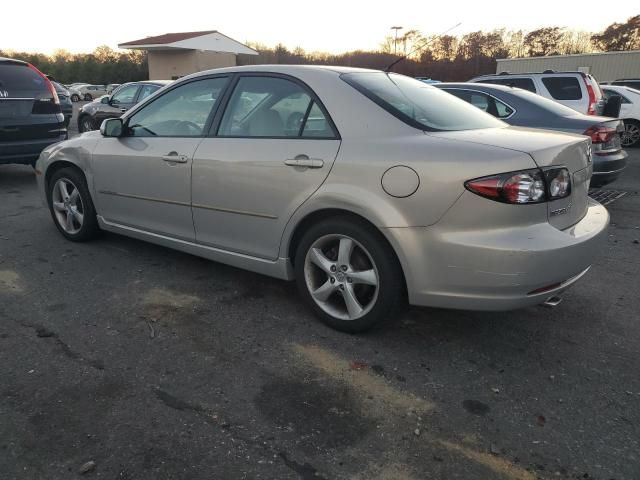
(606,67)
(173,55)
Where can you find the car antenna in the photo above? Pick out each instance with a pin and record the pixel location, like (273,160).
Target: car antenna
(425,44)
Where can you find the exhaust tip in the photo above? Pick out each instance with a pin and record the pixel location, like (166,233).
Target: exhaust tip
(552,301)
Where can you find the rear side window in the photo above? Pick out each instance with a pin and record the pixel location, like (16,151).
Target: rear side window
(563,88)
(483,101)
(524,83)
(20,78)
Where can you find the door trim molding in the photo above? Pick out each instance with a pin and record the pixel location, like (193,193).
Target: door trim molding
(239,212)
(141,197)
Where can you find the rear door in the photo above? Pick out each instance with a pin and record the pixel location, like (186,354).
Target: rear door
(274,147)
(27,110)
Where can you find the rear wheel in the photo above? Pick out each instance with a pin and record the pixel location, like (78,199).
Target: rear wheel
(349,275)
(631,134)
(71,206)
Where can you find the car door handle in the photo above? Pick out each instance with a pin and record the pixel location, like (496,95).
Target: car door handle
(173,157)
(304,161)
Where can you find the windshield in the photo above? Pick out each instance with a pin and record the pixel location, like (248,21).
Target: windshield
(418,104)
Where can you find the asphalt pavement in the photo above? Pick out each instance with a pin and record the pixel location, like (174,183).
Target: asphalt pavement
(125,360)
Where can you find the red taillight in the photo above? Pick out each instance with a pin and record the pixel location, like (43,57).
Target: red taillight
(48,83)
(600,134)
(527,186)
(591,110)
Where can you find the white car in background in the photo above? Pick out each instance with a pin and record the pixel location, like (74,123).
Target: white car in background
(629,112)
(577,90)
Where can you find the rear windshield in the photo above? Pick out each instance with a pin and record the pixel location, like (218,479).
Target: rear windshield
(544,103)
(418,104)
(15,77)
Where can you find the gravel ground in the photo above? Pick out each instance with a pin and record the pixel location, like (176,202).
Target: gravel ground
(153,364)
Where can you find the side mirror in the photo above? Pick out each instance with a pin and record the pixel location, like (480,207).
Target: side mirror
(112,127)
(105,100)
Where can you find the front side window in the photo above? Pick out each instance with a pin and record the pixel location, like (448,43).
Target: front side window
(146,90)
(125,94)
(180,112)
(563,88)
(418,104)
(274,108)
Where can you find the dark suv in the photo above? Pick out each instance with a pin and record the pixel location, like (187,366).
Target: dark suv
(30,116)
(123,98)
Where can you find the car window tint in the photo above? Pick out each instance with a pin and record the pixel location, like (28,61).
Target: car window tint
(146,90)
(563,88)
(20,78)
(265,107)
(125,94)
(180,112)
(524,83)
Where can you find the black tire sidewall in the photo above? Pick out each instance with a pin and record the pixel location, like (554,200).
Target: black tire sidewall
(391,281)
(89,227)
(637,124)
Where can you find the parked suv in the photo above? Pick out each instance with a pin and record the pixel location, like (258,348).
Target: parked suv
(30,115)
(124,97)
(627,82)
(576,90)
(65,102)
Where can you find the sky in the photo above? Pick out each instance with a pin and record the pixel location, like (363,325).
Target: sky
(329,26)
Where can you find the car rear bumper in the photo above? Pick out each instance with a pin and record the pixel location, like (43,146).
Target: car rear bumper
(26,151)
(499,269)
(607,168)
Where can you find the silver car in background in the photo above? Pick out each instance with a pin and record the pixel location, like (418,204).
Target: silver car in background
(367,188)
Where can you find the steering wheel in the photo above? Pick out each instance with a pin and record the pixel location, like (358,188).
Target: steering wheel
(187,125)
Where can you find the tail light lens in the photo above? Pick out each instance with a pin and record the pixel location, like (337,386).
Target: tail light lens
(527,186)
(591,110)
(46,105)
(603,138)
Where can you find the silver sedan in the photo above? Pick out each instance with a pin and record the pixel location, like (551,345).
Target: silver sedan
(367,188)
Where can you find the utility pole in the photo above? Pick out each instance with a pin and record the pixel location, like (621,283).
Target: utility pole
(395,42)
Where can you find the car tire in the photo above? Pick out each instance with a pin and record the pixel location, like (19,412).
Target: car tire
(349,275)
(71,205)
(631,136)
(75,98)
(86,124)
(88,97)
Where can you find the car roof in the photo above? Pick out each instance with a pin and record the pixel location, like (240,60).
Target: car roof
(476,85)
(12,60)
(284,69)
(509,74)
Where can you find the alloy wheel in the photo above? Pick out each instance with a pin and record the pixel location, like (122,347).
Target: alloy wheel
(67,206)
(341,277)
(631,134)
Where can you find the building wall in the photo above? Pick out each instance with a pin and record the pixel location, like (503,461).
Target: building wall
(172,64)
(604,66)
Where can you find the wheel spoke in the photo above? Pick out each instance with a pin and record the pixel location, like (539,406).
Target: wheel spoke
(344,251)
(62,187)
(73,198)
(323,292)
(365,277)
(320,260)
(69,223)
(77,215)
(59,206)
(353,305)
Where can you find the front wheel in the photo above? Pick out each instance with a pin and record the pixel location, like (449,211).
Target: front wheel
(88,97)
(71,206)
(75,97)
(631,134)
(86,124)
(349,275)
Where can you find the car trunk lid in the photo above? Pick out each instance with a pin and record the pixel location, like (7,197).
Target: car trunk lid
(548,149)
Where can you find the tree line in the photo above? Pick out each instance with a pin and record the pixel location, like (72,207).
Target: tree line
(443,57)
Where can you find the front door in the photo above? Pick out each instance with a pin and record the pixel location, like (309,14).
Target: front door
(118,104)
(143,179)
(274,147)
